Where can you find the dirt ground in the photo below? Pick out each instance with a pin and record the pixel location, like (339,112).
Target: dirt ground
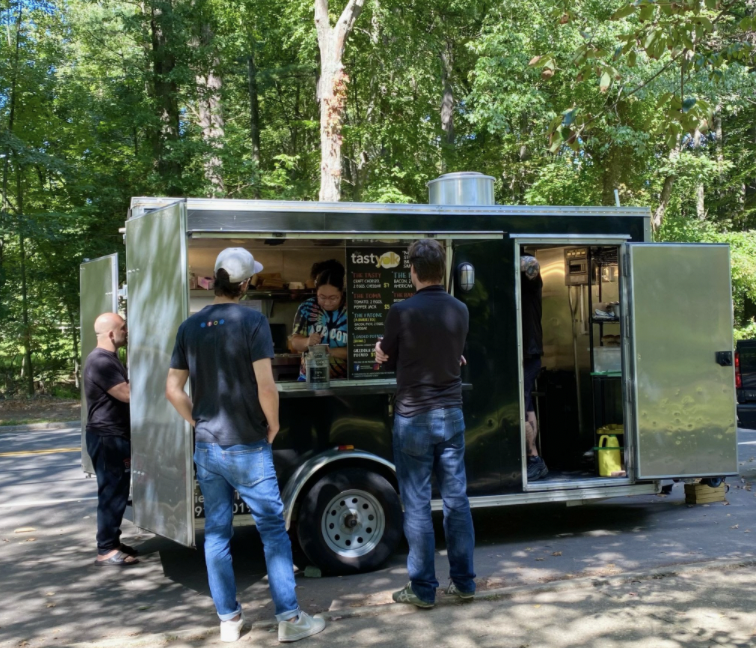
(41,409)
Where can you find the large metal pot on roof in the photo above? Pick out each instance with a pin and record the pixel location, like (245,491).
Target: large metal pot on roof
(461,188)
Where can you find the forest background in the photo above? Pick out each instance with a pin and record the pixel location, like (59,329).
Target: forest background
(561,102)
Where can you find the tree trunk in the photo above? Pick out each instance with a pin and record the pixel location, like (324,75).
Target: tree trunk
(26,332)
(75,341)
(666,192)
(27,370)
(700,195)
(749,186)
(612,174)
(447,107)
(332,92)
(209,85)
(254,108)
(165,94)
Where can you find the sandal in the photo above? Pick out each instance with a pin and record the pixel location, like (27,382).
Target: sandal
(129,551)
(118,559)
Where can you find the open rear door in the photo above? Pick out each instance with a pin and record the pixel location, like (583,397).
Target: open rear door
(98,294)
(678,347)
(161,441)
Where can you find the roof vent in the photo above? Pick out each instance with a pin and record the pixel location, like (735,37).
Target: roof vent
(462,188)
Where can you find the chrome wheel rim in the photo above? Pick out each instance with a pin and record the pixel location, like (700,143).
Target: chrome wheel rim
(353,523)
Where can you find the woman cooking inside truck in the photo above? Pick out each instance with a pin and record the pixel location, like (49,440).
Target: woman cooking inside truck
(323,319)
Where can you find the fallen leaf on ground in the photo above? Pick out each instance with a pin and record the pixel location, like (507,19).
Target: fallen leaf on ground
(25,530)
(30,540)
(557,553)
(537,606)
(51,605)
(735,526)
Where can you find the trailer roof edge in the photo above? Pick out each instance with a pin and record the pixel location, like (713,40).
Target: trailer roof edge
(279,206)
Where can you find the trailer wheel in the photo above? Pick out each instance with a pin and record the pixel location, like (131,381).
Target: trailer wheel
(350,521)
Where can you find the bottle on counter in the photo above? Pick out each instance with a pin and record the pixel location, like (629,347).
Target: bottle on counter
(192,280)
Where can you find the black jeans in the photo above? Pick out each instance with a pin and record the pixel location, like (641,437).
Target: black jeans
(111,457)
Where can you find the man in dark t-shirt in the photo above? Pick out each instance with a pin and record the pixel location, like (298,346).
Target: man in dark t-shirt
(108,434)
(531,287)
(424,339)
(226,351)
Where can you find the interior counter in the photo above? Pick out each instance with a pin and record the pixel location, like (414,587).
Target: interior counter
(337,388)
(343,388)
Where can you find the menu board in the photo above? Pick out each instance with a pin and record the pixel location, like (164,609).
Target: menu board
(377,277)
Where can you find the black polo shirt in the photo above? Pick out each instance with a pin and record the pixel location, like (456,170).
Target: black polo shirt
(424,340)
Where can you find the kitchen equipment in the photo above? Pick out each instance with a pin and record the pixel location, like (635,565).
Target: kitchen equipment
(607,359)
(461,188)
(318,366)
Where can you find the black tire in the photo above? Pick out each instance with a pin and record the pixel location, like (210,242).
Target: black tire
(714,482)
(667,489)
(298,556)
(352,507)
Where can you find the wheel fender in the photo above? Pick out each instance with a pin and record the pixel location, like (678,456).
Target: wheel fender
(316,464)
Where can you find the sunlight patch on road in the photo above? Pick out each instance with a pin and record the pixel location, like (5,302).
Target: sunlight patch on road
(20,453)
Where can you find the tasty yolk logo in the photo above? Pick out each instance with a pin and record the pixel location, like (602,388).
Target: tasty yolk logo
(386,260)
(389,260)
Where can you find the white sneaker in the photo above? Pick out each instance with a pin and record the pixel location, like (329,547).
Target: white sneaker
(230,630)
(303,626)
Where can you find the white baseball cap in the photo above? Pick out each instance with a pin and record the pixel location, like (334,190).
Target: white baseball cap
(239,263)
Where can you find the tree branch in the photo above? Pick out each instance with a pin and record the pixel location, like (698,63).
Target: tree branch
(346,23)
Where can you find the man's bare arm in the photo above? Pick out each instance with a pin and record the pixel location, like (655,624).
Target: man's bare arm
(121,392)
(174,392)
(267,393)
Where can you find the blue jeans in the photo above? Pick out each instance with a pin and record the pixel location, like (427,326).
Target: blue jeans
(249,470)
(434,442)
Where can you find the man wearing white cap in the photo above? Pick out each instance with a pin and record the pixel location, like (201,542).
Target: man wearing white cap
(226,351)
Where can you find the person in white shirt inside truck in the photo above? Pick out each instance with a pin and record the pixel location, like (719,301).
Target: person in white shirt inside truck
(226,351)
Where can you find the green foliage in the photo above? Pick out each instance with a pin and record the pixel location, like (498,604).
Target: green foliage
(561,101)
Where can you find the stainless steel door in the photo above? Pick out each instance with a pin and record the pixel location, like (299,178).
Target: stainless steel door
(161,441)
(681,400)
(98,294)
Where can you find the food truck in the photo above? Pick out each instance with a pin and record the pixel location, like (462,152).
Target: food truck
(636,386)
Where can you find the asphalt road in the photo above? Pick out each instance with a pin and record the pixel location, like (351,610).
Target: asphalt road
(50,594)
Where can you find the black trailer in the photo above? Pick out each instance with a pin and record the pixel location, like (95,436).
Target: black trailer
(657,373)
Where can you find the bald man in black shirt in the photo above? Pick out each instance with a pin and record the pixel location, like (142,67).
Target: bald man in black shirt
(108,436)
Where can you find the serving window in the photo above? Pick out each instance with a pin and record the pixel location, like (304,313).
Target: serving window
(377,275)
